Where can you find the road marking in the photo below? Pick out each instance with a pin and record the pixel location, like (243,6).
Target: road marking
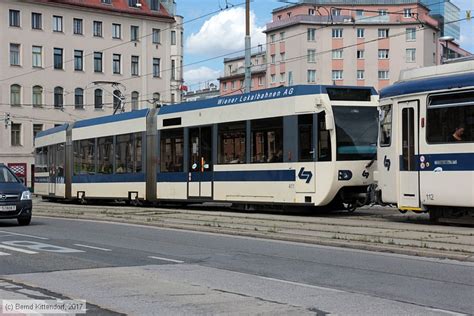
(18,249)
(34,245)
(166,259)
(303,284)
(446,312)
(16,234)
(92,247)
(4,254)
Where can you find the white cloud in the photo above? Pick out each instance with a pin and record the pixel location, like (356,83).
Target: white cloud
(224,33)
(200,75)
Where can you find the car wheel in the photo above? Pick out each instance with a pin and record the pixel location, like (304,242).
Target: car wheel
(24,221)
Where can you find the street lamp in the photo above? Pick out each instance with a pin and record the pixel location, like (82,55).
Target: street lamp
(446,39)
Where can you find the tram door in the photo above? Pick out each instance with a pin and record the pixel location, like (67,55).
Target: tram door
(409,184)
(200,162)
(52,169)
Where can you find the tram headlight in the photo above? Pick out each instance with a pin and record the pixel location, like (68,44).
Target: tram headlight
(344,175)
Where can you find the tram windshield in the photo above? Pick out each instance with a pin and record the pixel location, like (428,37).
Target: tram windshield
(356,132)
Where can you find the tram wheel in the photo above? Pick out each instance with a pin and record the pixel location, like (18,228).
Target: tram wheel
(402,211)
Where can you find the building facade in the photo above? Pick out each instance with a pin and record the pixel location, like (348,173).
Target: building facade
(448,15)
(67,60)
(349,43)
(232,82)
(209,92)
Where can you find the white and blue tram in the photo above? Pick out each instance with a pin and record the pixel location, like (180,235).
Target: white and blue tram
(426,142)
(301,145)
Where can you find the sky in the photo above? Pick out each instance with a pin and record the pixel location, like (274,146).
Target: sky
(208,40)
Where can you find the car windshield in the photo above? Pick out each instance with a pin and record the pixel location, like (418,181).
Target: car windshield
(356,132)
(6,176)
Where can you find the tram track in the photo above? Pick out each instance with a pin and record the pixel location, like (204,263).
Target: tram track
(366,231)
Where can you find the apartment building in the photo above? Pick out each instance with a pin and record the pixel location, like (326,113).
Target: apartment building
(65,60)
(232,82)
(349,43)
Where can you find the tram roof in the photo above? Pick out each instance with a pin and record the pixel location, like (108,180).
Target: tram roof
(428,84)
(53,130)
(260,95)
(112,118)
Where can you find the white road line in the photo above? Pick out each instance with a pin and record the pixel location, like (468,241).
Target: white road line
(303,285)
(4,254)
(447,312)
(166,259)
(16,234)
(18,249)
(92,247)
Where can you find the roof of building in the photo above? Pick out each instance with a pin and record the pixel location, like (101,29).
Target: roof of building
(118,6)
(349,3)
(263,52)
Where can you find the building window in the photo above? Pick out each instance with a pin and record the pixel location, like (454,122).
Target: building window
(14,18)
(336,33)
(155,5)
(58,97)
(282,77)
(156,97)
(290,78)
(311,76)
(106,1)
(135,96)
(267,140)
(117,64)
(282,56)
(383,53)
(97,28)
(311,55)
(311,35)
(36,21)
(260,81)
(337,75)
(156,36)
(156,67)
(173,69)
(77,26)
(78,60)
(15,95)
(310,12)
(360,33)
(360,54)
(37,56)
(336,12)
(232,143)
(383,74)
(15,54)
(272,38)
(37,98)
(360,74)
(233,85)
(98,62)
(117,99)
(282,36)
(79,98)
(57,23)
(173,37)
(411,34)
(116,31)
(359,13)
(36,129)
(16,134)
(407,13)
(337,54)
(135,65)
(134,33)
(98,102)
(383,12)
(383,33)
(411,55)
(272,78)
(133,3)
(273,59)
(58,58)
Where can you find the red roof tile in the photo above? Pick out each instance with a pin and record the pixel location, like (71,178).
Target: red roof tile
(120,6)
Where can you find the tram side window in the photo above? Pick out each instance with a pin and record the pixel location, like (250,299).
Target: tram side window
(172,148)
(84,156)
(386,126)
(41,159)
(305,137)
(124,154)
(231,143)
(267,140)
(324,139)
(450,118)
(138,152)
(105,150)
(60,160)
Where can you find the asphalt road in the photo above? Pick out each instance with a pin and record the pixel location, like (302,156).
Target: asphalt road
(144,271)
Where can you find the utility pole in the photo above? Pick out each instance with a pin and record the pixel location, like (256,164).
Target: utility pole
(248,53)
